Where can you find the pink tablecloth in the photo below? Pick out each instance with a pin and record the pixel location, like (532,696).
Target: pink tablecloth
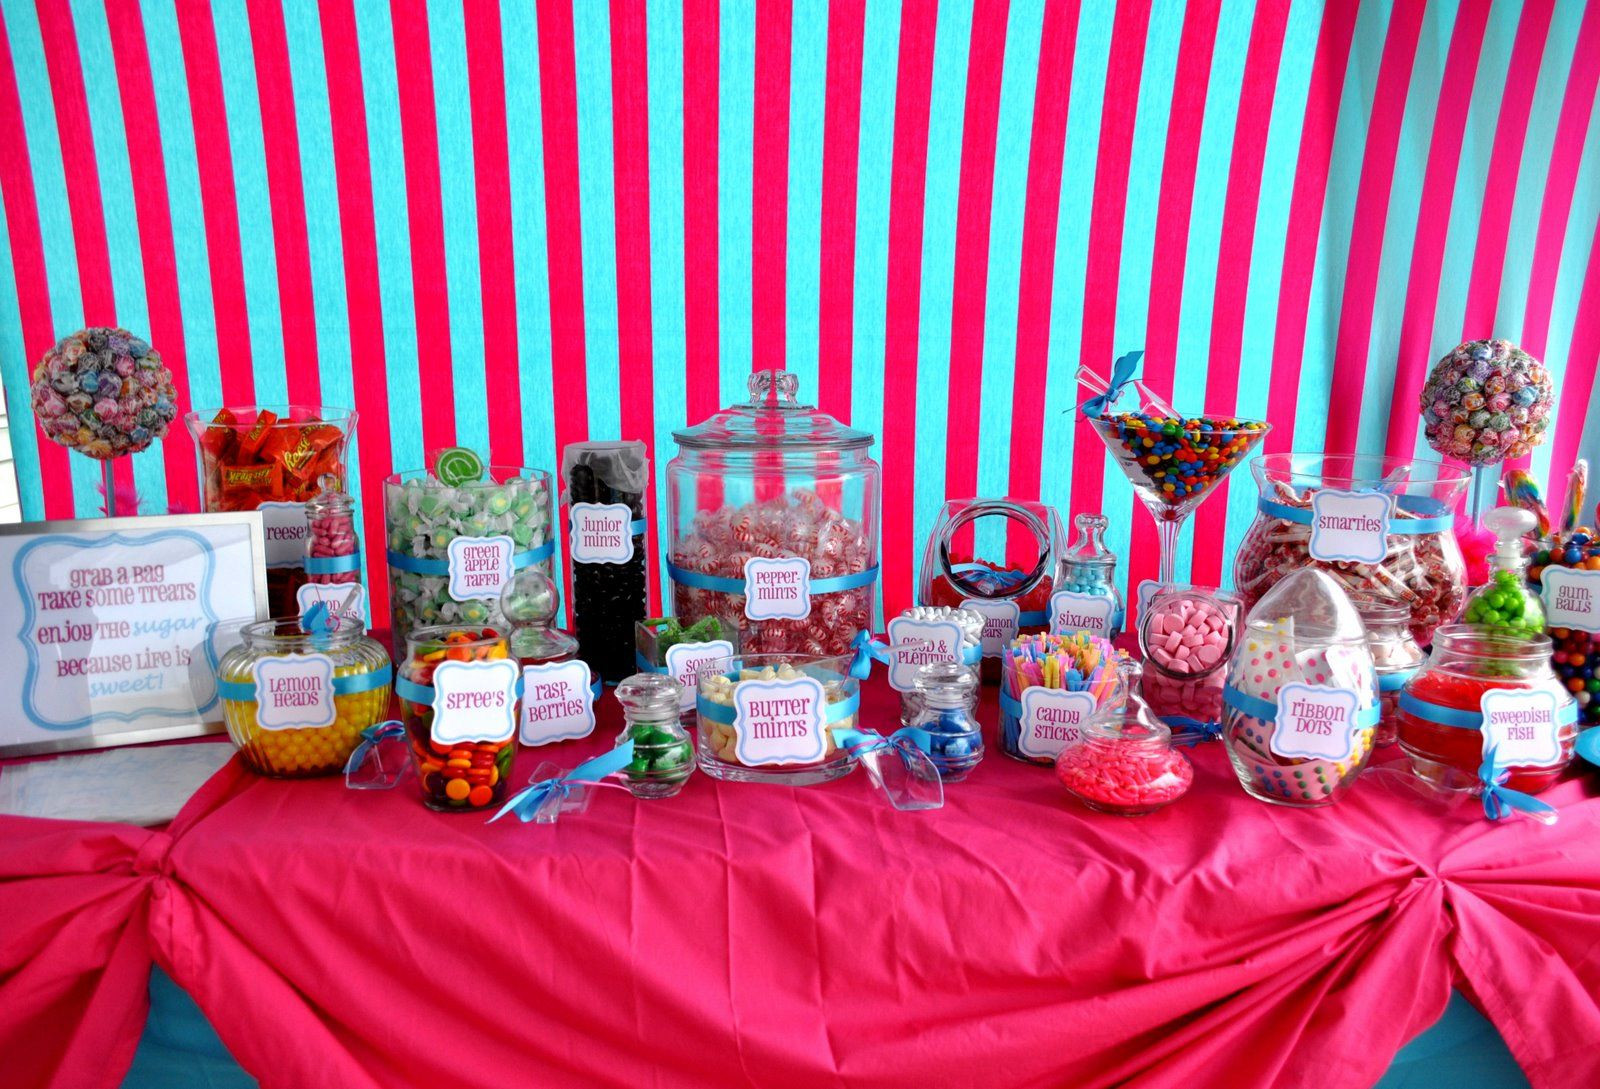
(747,935)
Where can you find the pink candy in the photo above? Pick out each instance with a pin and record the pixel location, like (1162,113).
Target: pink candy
(1121,777)
(1186,640)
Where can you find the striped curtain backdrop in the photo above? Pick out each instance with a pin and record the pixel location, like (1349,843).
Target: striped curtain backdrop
(515,226)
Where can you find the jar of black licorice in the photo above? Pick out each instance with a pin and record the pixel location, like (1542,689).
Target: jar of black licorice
(606,484)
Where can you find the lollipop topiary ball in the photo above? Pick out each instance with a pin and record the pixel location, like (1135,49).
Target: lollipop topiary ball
(103,392)
(1486,401)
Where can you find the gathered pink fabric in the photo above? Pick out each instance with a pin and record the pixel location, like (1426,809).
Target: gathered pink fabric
(765,936)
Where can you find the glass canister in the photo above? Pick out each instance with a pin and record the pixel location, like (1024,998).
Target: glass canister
(1483,688)
(663,757)
(1087,598)
(946,692)
(460,705)
(1011,593)
(1124,762)
(681,650)
(1187,636)
(1395,655)
(769,718)
(1301,702)
(1566,570)
(296,703)
(452,548)
(774,527)
(927,634)
(1383,525)
(606,485)
(1505,602)
(529,603)
(273,458)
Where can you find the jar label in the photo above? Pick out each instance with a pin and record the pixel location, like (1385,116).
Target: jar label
(685,661)
(943,641)
(1520,725)
(777,588)
(1350,526)
(1315,722)
(601,533)
(1072,611)
(1001,619)
(1571,599)
(294,692)
(1051,720)
(557,702)
(284,531)
(475,701)
(778,722)
(333,595)
(479,567)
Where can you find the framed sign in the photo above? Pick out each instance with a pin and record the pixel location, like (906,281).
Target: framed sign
(115,626)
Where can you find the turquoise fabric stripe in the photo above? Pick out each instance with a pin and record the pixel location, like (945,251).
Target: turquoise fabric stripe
(591,33)
(14,373)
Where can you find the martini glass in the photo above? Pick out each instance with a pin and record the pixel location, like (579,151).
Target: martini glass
(1174,465)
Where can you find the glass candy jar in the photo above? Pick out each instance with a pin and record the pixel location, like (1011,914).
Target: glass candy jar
(954,742)
(459,705)
(1479,688)
(1566,571)
(1087,598)
(769,718)
(1376,524)
(933,633)
(529,603)
(1301,703)
(773,511)
(1395,655)
(333,548)
(663,757)
(296,703)
(1124,762)
(1187,637)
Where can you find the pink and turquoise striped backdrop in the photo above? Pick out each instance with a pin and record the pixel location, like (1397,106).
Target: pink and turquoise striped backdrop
(516,228)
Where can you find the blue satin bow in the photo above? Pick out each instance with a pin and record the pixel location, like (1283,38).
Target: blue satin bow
(527,802)
(1121,375)
(859,742)
(1499,800)
(370,738)
(867,650)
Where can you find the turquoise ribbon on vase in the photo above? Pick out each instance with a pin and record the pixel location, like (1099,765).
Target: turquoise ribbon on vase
(723,713)
(370,738)
(1010,706)
(1267,711)
(859,742)
(1121,375)
(1499,800)
(1393,682)
(527,802)
(332,565)
(409,690)
(697,580)
(868,650)
(347,685)
(1468,720)
(418,565)
(1191,731)
(1432,515)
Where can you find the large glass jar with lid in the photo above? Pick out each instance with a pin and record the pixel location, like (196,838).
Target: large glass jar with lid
(773,512)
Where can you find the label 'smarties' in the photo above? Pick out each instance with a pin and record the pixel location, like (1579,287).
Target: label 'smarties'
(557,702)
(1001,619)
(778,588)
(479,567)
(601,533)
(1071,611)
(284,531)
(1571,599)
(294,691)
(779,722)
(475,701)
(684,662)
(1315,721)
(1520,725)
(941,642)
(1350,526)
(1052,720)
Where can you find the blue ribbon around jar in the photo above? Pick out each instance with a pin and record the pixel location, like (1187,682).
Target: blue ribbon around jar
(1432,515)
(698,580)
(418,565)
(413,692)
(346,685)
(1498,799)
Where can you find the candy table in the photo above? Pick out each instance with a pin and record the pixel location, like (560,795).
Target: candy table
(754,935)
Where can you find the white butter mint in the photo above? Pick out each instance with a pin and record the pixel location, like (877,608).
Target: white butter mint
(1071,611)
(1316,722)
(1052,720)
(779,722)
(942,642)
(1521,727)
(778,588)
(557,702)
(685,661)
(1571,599)
(1350,526)
(601,533)
(474,701)
(1001,619)
(294,692)
(479,567)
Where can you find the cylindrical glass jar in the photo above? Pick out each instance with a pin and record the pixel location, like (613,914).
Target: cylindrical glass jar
(1470,673)
(273,458)
(606,485)
(1050,685)
(769,718)
(947,691)
(1187,637)
(1382,525)
(295,704)
(1395,655)
(333,548)
(1566,570)
(1124,763)
(463,765)
(663,756)
(452,548)
(1300,708)
(773,523)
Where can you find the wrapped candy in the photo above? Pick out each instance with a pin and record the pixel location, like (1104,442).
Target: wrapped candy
(103,392)
(1486,401)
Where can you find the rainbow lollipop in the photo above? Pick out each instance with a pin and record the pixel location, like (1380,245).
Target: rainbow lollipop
(1521,491)
(1572,506)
